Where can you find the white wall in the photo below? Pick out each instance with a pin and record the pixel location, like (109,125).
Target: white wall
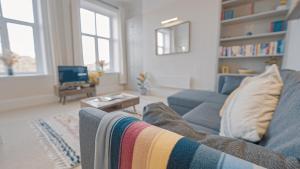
(292,59)
(201,63)
(134,41)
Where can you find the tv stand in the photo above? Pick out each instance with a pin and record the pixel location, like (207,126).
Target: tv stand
(64,91)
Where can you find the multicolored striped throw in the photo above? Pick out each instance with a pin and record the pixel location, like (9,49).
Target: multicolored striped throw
(128,143)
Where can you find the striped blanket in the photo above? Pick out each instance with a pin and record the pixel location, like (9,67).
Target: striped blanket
(124,142)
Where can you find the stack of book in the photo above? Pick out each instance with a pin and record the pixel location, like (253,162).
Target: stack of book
(278,26)
(259,49)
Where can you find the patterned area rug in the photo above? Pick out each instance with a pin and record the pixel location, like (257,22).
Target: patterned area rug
(59,135)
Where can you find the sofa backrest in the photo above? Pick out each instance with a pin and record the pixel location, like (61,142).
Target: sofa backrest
(283,135)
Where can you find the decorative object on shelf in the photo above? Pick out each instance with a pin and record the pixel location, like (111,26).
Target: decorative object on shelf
(100,65)
(246,71)
(278,26)
(249,34)
(270,62)
(9,59)
(143,83)
(225,69)
(282,5)
(228,14)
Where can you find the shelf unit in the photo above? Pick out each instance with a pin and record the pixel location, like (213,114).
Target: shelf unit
(253,17)
(262,35)
(257,21)
(251,57)
(232,3)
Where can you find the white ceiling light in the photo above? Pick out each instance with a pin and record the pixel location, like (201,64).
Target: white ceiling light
(169,20)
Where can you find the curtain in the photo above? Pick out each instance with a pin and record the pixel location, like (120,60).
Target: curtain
(121,39)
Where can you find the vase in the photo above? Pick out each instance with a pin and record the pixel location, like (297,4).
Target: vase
(10,71)
(143,91)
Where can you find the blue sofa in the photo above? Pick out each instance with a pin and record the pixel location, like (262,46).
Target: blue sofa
(201,108)
(199,120)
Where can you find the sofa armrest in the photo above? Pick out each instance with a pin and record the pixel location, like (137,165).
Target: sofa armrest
(89,119)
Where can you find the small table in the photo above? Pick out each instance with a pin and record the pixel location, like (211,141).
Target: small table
(118,102)
(64,93)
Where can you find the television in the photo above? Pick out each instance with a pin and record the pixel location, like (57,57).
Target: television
(72,74)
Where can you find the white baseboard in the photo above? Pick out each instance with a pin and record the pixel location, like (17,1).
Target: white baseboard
(7,105)
(163,92)
(25,102)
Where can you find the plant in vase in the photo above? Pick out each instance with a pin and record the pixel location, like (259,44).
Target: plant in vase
(9,59)
(143,83)
(95,75)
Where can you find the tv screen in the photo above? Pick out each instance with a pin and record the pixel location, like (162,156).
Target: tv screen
(69,74)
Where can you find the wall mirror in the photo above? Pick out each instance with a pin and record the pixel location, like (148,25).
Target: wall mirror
(173,39)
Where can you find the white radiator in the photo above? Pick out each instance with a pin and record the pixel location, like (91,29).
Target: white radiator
(178,82)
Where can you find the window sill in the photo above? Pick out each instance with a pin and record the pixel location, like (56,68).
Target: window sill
(23,76)
(111,73)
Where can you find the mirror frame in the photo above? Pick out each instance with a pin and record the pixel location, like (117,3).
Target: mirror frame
(171,26)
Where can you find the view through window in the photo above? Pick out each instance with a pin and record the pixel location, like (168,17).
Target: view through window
(96,38)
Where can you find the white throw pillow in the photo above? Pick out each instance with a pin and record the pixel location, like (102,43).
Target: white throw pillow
(248,111)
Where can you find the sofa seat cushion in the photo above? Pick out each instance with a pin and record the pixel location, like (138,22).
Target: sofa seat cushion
(283,135)
(205,115)
(192,98)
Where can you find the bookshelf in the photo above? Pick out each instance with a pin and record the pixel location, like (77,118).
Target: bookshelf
(251,57)
(262,35)
(253,17)
(252,30)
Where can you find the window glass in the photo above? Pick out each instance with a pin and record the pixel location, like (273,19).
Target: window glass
(103,50)
(22,43)
(88,25)
(160,39)
(103,25)
(96,38)
(21,10)
(89,51)
(2,68)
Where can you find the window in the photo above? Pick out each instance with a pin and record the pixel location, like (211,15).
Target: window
(96,31)
(20,34)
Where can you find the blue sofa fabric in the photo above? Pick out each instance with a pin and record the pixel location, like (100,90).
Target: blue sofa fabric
(205,115)
(230,84)
(189,99)
(283,134)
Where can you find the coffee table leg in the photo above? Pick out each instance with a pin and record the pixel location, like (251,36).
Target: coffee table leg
(134,109)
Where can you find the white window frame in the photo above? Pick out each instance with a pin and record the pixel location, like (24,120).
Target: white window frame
(36,37)
(110,39)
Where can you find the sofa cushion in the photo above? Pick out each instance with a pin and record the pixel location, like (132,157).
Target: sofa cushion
(231,83)
(205,115)
(248,111)
(283,134)
(192,98)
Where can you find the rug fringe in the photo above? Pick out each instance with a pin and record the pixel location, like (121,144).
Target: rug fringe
(50,149)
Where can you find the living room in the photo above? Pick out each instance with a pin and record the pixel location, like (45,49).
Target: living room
(221,76)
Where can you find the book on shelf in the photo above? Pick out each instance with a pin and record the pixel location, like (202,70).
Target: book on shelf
(278,26)
(258,49)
